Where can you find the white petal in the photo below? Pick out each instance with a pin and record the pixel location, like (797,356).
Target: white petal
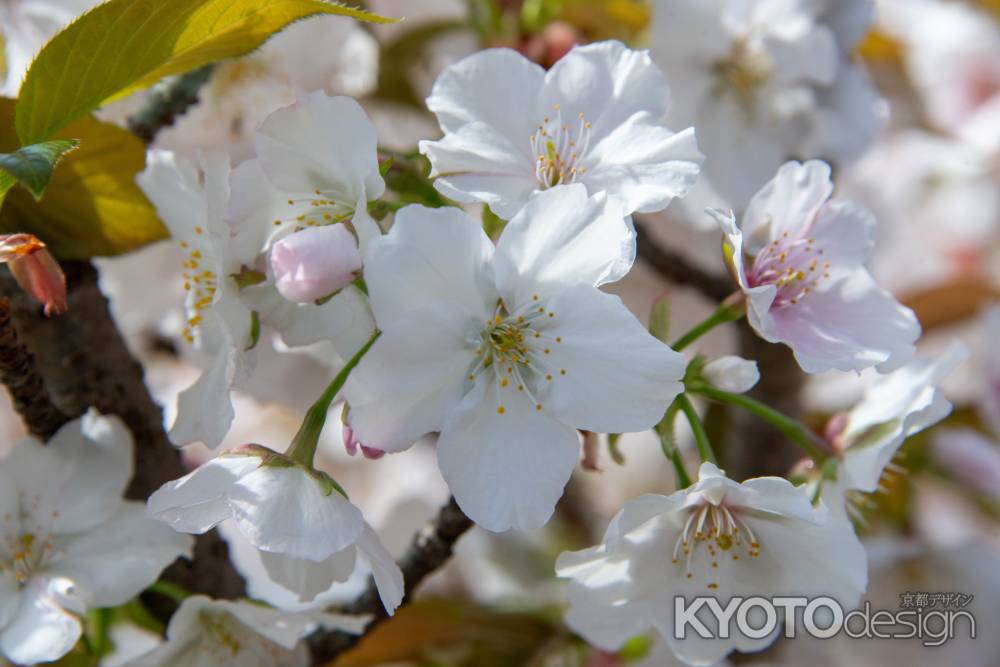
(644,165)
(506,194)
(506,470)
(171,182)
(41,631)
(321,142)
(563,237)
(832,328)
(787,203)
(139,548)
(388,576)
(608,82)
(205,410)
(493,86)
(618,378)
(430,255)
(309,578)
(412,378)
(286,511)
(196,503)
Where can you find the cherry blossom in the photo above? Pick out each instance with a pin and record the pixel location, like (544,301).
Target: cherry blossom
(765,81)
(513,130)
(718,537)
(507,350)
(68,542)
(308,534)
(800,259)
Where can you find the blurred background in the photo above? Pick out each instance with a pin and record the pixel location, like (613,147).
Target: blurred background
(929,170)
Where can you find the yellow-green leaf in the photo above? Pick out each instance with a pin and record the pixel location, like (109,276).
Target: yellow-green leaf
(92,205)
(124,45)
(32,166)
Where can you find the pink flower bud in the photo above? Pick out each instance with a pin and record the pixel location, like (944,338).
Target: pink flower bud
(35,270)
(315,262)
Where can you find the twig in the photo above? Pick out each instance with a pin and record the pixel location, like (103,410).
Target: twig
(681,271)
(167,103)
(429,550)
(26,386)
(83,361)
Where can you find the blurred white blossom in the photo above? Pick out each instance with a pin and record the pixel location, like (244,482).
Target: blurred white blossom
(68,542)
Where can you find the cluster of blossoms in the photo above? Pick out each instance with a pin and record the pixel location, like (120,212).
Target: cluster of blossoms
(502,347)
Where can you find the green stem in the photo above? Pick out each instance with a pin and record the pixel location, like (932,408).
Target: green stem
(727,312)
(169,589)
(700,436)
(303,447)
(793,429)
(668,443)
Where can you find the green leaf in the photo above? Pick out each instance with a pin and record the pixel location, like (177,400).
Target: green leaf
(32,166)
(124,45)
(659,319)
(92,205)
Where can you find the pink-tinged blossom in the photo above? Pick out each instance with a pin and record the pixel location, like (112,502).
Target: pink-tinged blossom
(800,259)
(315,263)
(35,270)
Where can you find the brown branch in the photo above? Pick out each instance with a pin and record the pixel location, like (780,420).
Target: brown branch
(681,271)
(83,362)
(429,550)
(27,388)
(167,103)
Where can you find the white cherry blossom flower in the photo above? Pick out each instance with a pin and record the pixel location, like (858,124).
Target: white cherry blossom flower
(68,542)
(731,373)
(895,407)
(25,27)
(308,534)
(226,240)
(192,203)
(220,633)
(799,258)
(764,81)
(513,130)
(718,537)
(507,351)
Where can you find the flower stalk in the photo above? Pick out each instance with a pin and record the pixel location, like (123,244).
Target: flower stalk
(730,310)
(303,447)
(697,428)
(793,429)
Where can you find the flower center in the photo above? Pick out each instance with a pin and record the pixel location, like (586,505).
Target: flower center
(558,148)
(199,283)
(516,350)
(28,545)
(324,207)
(743,73)
(718,531)
(794,266)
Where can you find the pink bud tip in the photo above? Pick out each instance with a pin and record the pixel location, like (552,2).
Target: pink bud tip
(315,262)
(35,270)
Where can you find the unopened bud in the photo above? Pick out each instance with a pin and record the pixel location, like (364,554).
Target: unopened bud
(35,270)
(733,374)
(315,262)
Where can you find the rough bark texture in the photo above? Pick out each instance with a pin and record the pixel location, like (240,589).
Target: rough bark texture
(83,362)
(428,551)
(27,388)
